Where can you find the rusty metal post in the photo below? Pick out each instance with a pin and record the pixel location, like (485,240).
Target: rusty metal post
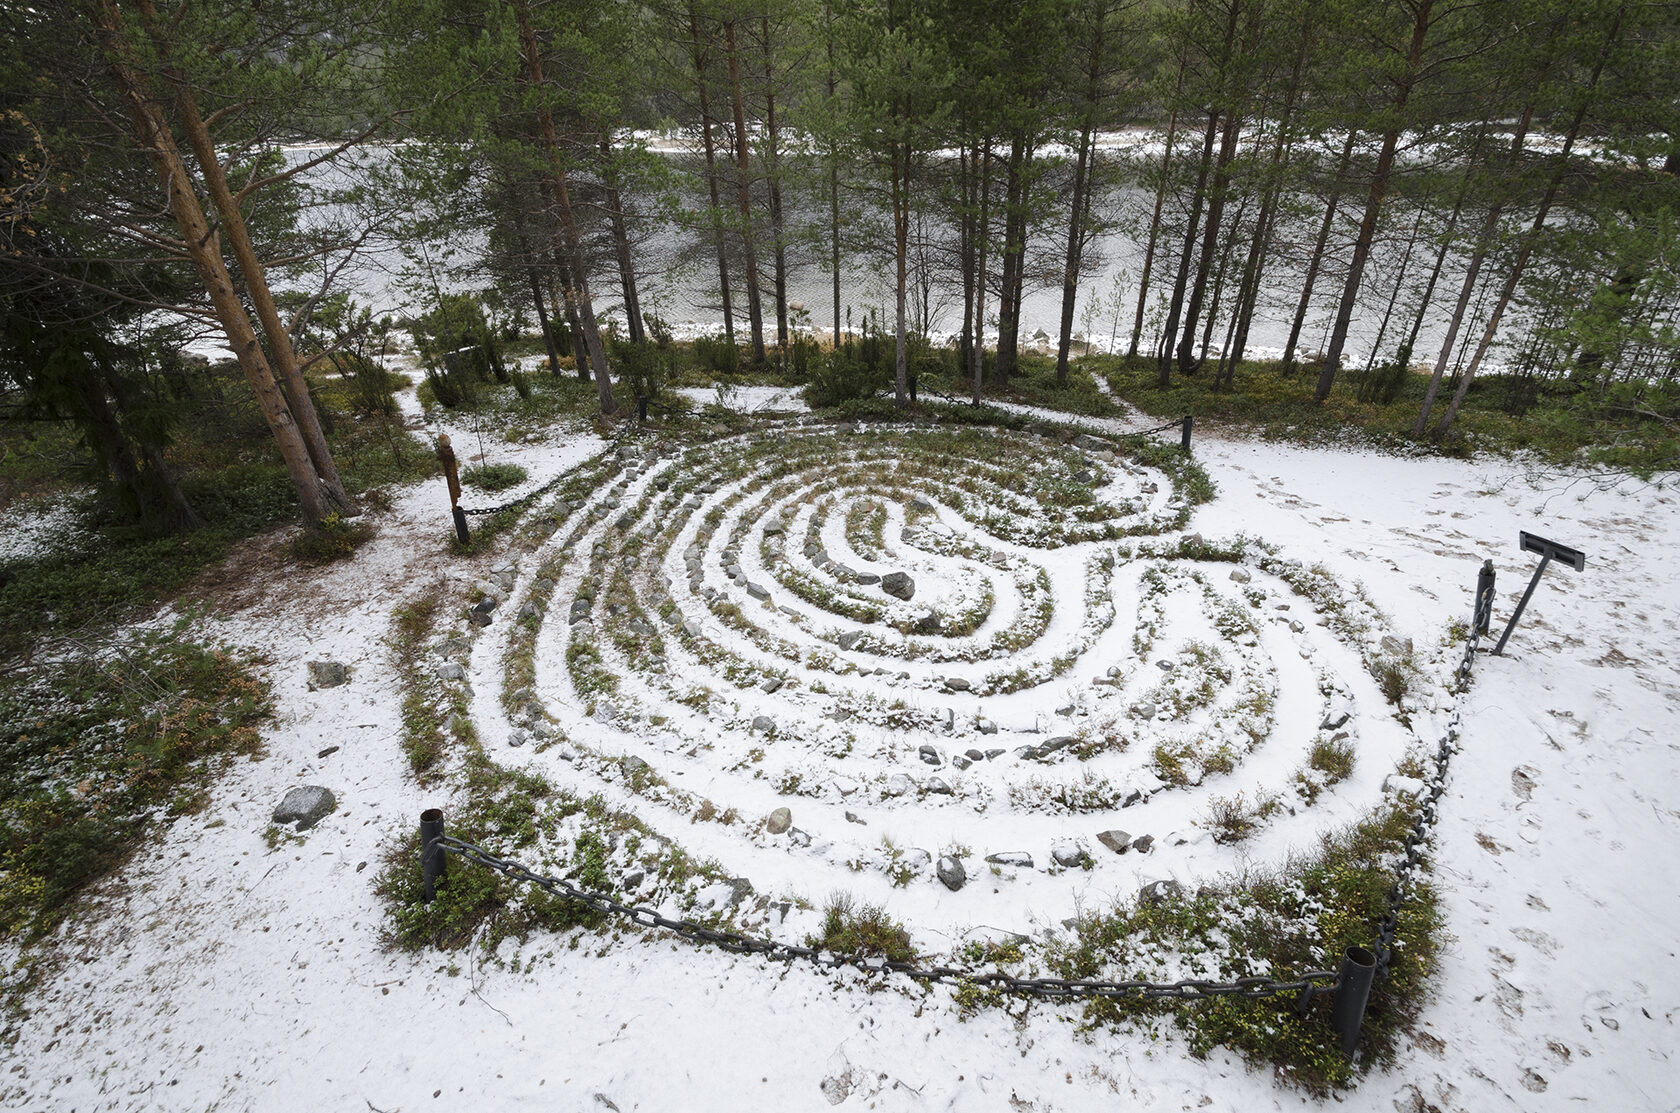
(1184,440)
(452,474)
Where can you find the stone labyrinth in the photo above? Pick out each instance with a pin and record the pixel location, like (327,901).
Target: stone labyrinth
(972,674)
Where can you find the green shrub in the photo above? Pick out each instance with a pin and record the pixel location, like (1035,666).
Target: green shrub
(837,379)
(493,477)
(332,538)
(848,930)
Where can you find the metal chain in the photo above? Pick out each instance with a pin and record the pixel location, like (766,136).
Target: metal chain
(1417,839)
(1305,984)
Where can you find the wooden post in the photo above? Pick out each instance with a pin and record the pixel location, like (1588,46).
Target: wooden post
(452,473)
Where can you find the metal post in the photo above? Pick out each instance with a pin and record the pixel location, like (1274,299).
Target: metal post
(431,854)
(1522,603)
(911,380)
(1184,441)
(1484,599)
(1353,991)
(461,531)
(641,409)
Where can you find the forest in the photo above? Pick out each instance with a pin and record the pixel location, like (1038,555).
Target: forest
(1415,205)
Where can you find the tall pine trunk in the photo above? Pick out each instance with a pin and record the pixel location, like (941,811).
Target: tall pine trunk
(1374,203)
(743,196)
(1169,336)
(621,240)
(697,55)
(1287,365)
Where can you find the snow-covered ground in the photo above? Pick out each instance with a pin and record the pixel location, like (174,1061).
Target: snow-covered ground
(217,974)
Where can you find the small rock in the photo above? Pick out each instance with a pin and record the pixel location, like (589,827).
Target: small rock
(1066,710)
(1164,664)
(958,683)
(899,585)
(774,525)
(798,837)
(1240,575)
(516,737)
(1117,841)
(985,726)
(1396,647)
(937,786)
(758,591)
(327,674)
(1296,626)
(852,817)
(1335,718)
(1018,858)
(1143,843)
(763,724)
(1143,710)
(691,628)
(451,670)
(929,755)
(774,684)
(306,806)
(898,785)
(1060,742)
(951,872)
(1026,753)
(921,502)
(990,754)
(780,820)
(328,752)
(961,761)
(848,639)
(867,579)
(1068,854)
(1160,892)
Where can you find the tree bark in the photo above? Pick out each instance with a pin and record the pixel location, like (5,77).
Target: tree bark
(282,359)
(621,241)
(204,252)
(1170,336)
(576,270)
(743,198)
(1373,205)
(1287,366)
(698,56)
(773,176)
(1081,199)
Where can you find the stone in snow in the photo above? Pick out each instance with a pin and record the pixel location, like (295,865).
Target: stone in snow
(986,726)
(848,639)
(921,502)
(899,585)
(1336,717)
(958,683)
(1019,858)
(305,806)
(1159,892)
(1144,710)
(1143,843)
(1240,575)
(798,837)
(763,724)
(1060,742)
(773,684)
(780,820)
(758,591)
(691,628)
(929,755)
(1117,841)
(961,761)
(898,785)
(1403,786)
(951,872)
(1026,752)
(866,579)
(451,670)
(1067,854)
(327,674)
(1396,647)
(774,525)
(937,786)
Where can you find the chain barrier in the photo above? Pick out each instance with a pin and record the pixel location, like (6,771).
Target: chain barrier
(1423,823)
(1304,986)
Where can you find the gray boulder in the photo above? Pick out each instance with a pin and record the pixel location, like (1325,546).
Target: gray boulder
(899,585)
(1117,841)
(327,674)
(305,806)
(951,872)
(780,820)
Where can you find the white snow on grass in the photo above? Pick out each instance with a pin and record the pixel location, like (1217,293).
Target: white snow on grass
(217,973)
